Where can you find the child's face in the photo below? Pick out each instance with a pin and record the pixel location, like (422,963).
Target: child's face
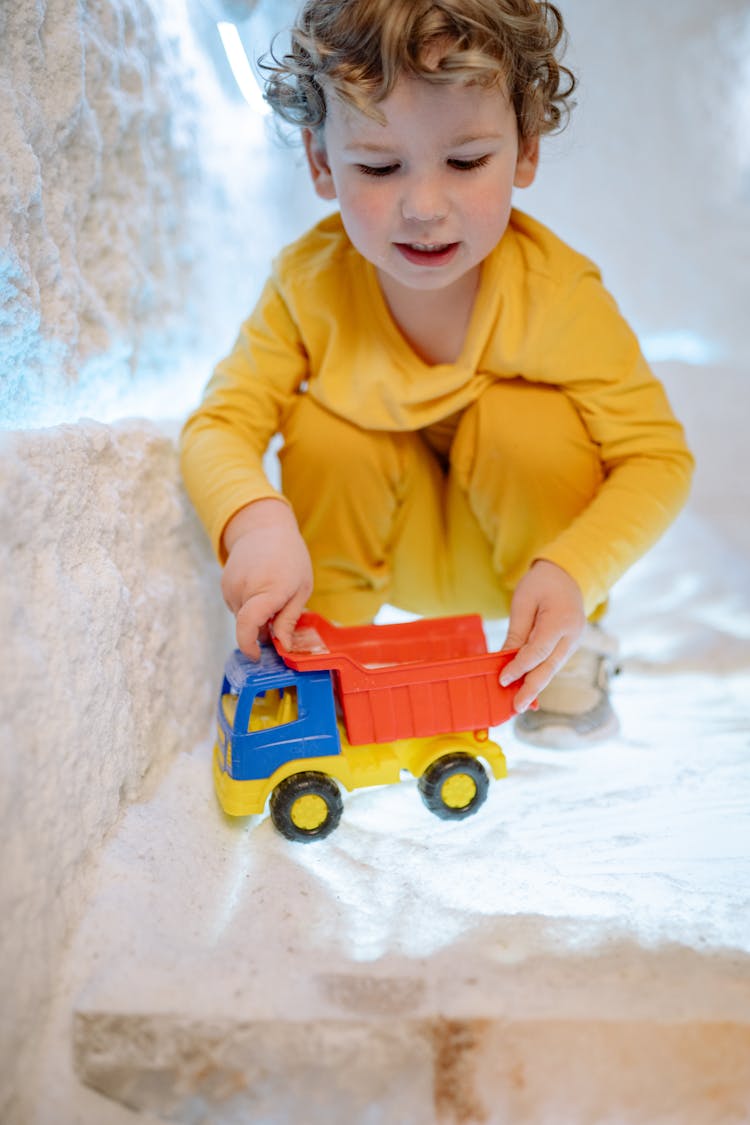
(425,196)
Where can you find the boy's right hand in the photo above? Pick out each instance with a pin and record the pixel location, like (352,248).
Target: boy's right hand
(268,573)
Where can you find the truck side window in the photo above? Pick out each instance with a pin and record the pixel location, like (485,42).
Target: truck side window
(274,708)
(229,706)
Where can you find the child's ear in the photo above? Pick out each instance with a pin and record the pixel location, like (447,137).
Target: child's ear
(317,161)
(526,162)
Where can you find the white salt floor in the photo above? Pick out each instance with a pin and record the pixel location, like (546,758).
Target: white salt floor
(577,952)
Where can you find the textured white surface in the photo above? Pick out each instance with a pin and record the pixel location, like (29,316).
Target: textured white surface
(652,179)
(607,885)
(130,184)
(109,605)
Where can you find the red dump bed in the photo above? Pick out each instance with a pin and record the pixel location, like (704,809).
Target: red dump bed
(430,676)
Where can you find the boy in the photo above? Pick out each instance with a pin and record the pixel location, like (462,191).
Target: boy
(468,423)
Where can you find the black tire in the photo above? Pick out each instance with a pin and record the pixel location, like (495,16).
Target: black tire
(461,799)
(316,818)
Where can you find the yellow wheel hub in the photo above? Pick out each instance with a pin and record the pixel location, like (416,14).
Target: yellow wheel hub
(309,812)
(458,791)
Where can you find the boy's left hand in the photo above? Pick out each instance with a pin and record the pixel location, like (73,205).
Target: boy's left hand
(546,622)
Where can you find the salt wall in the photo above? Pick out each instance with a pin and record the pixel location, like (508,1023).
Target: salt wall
(99,175)
(113,277)
(139,203)
(111,604)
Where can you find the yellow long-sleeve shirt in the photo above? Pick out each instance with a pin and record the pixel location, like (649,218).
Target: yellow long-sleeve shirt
(541,313)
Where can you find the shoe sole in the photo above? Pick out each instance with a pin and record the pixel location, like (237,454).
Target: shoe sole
(560,736)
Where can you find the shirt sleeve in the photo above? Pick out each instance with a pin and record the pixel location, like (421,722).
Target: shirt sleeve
(224,440)
(590,352)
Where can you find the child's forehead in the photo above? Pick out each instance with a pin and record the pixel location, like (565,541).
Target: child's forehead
(414,99)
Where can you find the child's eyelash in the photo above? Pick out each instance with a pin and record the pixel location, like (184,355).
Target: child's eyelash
(389,169)
(467,165)
(377,169)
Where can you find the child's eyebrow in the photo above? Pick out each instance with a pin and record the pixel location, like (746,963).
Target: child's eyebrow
(363,146)
(456,142)
(470,138)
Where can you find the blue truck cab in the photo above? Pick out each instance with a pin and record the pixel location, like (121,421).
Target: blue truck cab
(268,715)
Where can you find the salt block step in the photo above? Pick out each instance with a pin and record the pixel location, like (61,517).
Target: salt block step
(415,1072)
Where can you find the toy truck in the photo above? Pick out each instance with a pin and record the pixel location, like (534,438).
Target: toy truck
(355,707)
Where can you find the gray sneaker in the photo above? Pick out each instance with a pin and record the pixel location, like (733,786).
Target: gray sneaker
(574,708)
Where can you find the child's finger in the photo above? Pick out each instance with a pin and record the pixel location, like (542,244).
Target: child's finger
(255,612)
(284,622)
(537,678)
(529,656)
(520,624)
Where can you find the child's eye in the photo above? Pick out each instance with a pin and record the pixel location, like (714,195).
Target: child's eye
(378,169)
(468,165)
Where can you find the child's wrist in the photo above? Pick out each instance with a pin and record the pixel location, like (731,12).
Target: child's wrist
(255,517)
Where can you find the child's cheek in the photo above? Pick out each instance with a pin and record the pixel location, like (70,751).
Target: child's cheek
(368,209)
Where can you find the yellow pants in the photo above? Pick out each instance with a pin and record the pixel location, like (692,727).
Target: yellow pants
(443,520)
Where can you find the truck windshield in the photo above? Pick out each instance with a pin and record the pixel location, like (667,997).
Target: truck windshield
(270,709)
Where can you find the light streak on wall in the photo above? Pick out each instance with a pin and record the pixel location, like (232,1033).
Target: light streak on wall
(240,66)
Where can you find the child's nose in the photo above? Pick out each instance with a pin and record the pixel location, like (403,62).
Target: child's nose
(423,201)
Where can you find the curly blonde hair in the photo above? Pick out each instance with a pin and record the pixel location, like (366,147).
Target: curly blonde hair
(360,48)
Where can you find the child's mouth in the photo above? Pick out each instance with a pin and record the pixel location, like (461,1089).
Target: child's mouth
(427,253)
